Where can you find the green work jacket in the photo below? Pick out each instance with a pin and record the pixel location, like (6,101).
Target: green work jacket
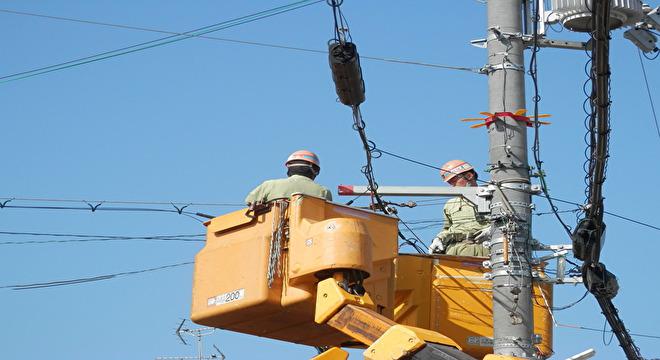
(284,188)
(461,223)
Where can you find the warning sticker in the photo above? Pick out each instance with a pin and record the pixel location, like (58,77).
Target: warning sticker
(480,341)
(227,297)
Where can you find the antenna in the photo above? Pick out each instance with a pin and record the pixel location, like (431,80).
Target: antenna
(222,356)
(199,334)
(178,332)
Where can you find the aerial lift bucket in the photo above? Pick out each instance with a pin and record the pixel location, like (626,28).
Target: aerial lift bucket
(310,240)
(260,270)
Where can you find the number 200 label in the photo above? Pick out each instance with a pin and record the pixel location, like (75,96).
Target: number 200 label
(227,297)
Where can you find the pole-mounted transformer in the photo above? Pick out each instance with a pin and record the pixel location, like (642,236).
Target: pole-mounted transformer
(346,72)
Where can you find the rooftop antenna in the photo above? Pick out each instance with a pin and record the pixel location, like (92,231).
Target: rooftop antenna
(199,334)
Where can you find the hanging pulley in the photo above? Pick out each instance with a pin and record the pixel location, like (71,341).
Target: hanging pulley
(346,72)
(588,240)
(599,281)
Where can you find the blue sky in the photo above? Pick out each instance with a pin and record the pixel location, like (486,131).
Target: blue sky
(205,121)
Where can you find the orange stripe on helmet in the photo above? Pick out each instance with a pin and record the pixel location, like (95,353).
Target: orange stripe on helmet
(454,167)
(304,155)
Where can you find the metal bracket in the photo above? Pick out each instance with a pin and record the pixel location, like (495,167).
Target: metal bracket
(507,65)
(480,196)
(559,252)
(528,41)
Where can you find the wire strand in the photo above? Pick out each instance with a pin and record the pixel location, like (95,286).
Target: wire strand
(243,42)
(488,183)
(158,42)
(648,91)
(131,202)
(95,238)
(56,283)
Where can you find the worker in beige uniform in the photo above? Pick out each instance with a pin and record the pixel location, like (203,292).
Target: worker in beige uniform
(464,229)
(302,168)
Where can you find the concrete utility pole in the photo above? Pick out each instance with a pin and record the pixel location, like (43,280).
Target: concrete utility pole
(513,321)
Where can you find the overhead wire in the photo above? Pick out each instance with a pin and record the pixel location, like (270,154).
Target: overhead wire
(580,327)
(408,159)
(159,42)
(131,202)
(648,91)
(243,42)
(590,229)
(345,53)
(568,306)
(536,147)
(657,53)
(557,211)
(82,280)
(95,208)
(70,238)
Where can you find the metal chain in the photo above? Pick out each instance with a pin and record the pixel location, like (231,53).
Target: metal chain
(279,235)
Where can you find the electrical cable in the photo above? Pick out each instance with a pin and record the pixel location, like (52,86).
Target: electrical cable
(56,283)
(568,306)
(554,212)
(488,183)
(591,228)
(244,42)
(97,207)
(657,53)
(648,91)
(159,42)
(95,238)
(536,147)
(579,327)
(132,202)
(350,87)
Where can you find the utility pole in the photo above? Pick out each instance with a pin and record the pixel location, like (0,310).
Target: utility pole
(513,322)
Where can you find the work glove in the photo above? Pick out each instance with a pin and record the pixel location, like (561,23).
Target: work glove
(437,247)
(482,235)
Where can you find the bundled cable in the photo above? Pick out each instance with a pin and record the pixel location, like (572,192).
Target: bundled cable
(349,84)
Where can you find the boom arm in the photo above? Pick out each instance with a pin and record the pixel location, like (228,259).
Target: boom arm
(353,315)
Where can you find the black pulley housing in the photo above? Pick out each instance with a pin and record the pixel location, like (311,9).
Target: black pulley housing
(599,281)
(588,240)
(346,73)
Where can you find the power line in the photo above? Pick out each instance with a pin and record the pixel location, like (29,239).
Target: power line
(243,42)
(95,208)
(632,220)
(648,91)
(56,283)
(132,202)
(536,147)
(488,183)
(579,327)
(94,238)
(159,42)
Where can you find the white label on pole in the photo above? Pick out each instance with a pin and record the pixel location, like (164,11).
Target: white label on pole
(227,297)
(480,341)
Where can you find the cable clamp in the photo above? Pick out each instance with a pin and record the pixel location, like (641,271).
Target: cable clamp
(511,341)
(180,209)
(507,65)
(496,34)
(4,203)
(93,207)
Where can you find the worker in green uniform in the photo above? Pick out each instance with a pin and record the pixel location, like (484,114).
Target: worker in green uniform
(464,229)
(302,168)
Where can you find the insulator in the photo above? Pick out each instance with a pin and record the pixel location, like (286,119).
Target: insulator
(346,73)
